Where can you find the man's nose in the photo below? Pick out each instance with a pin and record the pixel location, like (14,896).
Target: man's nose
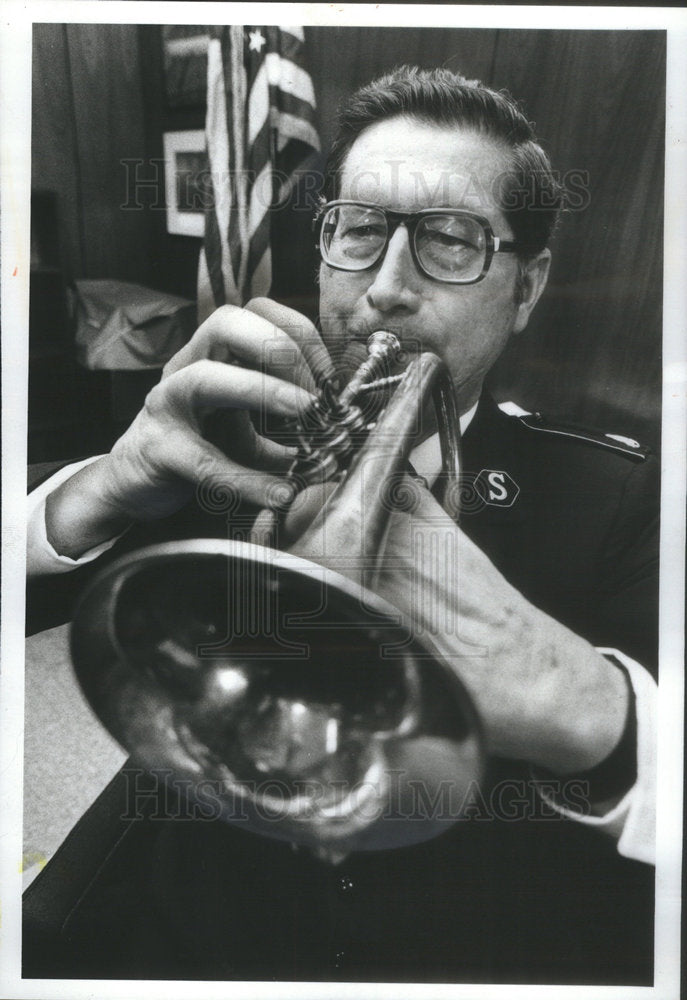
(396,280)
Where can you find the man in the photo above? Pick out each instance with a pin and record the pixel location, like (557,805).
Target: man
(440,209)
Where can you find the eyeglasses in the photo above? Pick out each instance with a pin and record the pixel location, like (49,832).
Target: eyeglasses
(449,245)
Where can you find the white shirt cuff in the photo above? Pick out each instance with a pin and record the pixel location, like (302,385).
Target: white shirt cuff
(41,557)
(632,822)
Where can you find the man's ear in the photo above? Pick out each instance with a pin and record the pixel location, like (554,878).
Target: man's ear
(532,283)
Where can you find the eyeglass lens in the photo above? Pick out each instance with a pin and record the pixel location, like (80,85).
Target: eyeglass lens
(448,247)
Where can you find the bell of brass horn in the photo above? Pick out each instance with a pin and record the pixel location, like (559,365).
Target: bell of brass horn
(276,688)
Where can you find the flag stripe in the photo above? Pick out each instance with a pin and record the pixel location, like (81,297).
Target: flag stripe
(289,77)
(219,158)
(260,242)
(292,31)
(262,276)
(258,106)
(292,105)
(226,194)
(213,261)
(292,157)
(239,201)
(292,48)
(290,127)
(260,130)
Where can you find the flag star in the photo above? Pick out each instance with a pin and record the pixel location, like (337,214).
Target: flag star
(257,40)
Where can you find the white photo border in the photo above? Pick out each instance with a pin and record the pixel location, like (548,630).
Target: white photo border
(15,81)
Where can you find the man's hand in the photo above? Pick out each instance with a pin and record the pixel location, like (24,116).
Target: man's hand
(544,694)
(265,359)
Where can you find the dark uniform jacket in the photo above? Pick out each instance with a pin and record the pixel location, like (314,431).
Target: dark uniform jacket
(513,893)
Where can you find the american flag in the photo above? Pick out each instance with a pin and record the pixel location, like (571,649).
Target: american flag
(260,128)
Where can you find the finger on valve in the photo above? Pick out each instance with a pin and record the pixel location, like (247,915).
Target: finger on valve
(301,331)
(243,338)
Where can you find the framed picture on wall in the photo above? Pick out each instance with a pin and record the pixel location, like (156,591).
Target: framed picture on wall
(185,181)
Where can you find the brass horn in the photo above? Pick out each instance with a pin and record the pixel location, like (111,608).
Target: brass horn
(276,687)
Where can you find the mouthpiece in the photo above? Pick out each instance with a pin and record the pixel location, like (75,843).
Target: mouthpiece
(383,344)
(382,348)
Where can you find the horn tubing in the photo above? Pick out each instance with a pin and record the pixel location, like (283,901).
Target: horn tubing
(449,437)
(384,454)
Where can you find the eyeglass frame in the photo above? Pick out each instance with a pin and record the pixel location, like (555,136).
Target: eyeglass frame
(411,220)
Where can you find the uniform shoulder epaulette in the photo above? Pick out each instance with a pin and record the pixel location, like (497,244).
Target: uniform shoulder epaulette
(614,442)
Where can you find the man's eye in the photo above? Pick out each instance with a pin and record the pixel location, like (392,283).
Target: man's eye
(451,242)
(362,232)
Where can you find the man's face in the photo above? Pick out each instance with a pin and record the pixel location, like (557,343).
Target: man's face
(407,165)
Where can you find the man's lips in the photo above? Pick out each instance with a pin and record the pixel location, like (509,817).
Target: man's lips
(410,343)
(409,340)
(355,353)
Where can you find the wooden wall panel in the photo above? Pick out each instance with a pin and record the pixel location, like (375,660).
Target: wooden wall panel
(108,112)
(87,118)
(53,138)
(593,349)
(343,59)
